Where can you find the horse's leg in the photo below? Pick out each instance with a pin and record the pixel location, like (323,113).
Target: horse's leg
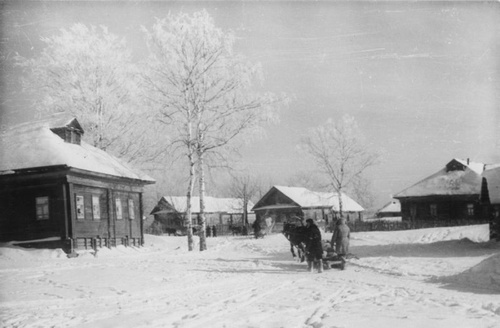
(302,251)
(291,249)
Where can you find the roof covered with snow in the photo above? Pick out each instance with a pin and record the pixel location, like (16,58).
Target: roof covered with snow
(492,177)
(33,145)
(394,206)
(212,205)
(463,181)
(306,198)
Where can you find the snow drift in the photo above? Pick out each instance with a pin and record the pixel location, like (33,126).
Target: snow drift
(440,277)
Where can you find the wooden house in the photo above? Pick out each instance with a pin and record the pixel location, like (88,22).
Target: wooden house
(490,198)
(58,191)
(283,203)
(390,210)
(220,212)
(451,194)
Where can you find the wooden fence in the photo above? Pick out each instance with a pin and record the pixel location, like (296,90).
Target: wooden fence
(359,226)
(355,226)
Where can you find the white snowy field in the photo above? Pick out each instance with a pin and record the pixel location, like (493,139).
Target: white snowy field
(441,277)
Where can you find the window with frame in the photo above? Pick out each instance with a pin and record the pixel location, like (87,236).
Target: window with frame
(80,207)
(119,210)
(96,207)
(42,208)
(470,209)
(131,209)
(433,208)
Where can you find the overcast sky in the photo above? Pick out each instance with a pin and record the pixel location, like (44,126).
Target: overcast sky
(421,79)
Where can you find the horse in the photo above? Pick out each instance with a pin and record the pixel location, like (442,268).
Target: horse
(297,236)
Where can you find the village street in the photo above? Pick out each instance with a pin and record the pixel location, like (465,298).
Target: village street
(404,279)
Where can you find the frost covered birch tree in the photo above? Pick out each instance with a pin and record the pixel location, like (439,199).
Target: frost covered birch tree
(88,72)
(340,153)
(204,92)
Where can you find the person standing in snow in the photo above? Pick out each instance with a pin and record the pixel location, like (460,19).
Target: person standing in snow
(256,228)
(209,231)
(214,231)
(314,247)
(340,238)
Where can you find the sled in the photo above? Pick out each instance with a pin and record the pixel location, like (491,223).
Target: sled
(334,262)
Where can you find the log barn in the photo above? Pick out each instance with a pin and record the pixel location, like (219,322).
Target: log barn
(58,191)
(281,203)
(170,212)
(450,195)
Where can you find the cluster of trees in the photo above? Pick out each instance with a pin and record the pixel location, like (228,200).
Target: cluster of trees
(192,99)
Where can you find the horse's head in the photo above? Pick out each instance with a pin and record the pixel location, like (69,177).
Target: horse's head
(287,227)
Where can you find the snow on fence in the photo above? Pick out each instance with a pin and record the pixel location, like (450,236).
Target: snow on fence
(380,225)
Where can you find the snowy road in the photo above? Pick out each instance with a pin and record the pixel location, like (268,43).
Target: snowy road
(401,279)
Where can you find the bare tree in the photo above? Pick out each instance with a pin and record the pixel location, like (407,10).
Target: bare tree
(204,91)
(88,72)
(340,153)
(246,188)
(361,190)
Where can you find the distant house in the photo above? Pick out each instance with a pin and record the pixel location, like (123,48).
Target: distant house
(282,203)
(58,191)
(221,212)
(490,197)
(390,210)
(451,194)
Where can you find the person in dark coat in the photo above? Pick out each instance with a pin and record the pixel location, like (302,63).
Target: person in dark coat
(314,246)
(214,231)
(209,231)
(256,228)
(340,238)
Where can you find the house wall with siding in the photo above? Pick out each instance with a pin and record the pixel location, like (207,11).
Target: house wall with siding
(72,217)
(445,209)
(18,219)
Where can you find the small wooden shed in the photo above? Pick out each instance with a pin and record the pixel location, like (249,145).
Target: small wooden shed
(58,191)
(390,210)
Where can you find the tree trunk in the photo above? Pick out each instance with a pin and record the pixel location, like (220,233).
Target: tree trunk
(191,154)
(203,239)
(245,206)
(189,222)
(245,212)
(341,205)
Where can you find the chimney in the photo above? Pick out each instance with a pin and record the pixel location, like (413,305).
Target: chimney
(467,161)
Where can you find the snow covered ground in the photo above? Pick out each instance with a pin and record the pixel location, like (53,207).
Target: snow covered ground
(440,277)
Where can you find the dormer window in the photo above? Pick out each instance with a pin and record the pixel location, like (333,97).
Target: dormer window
(455,166)
(71,133)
